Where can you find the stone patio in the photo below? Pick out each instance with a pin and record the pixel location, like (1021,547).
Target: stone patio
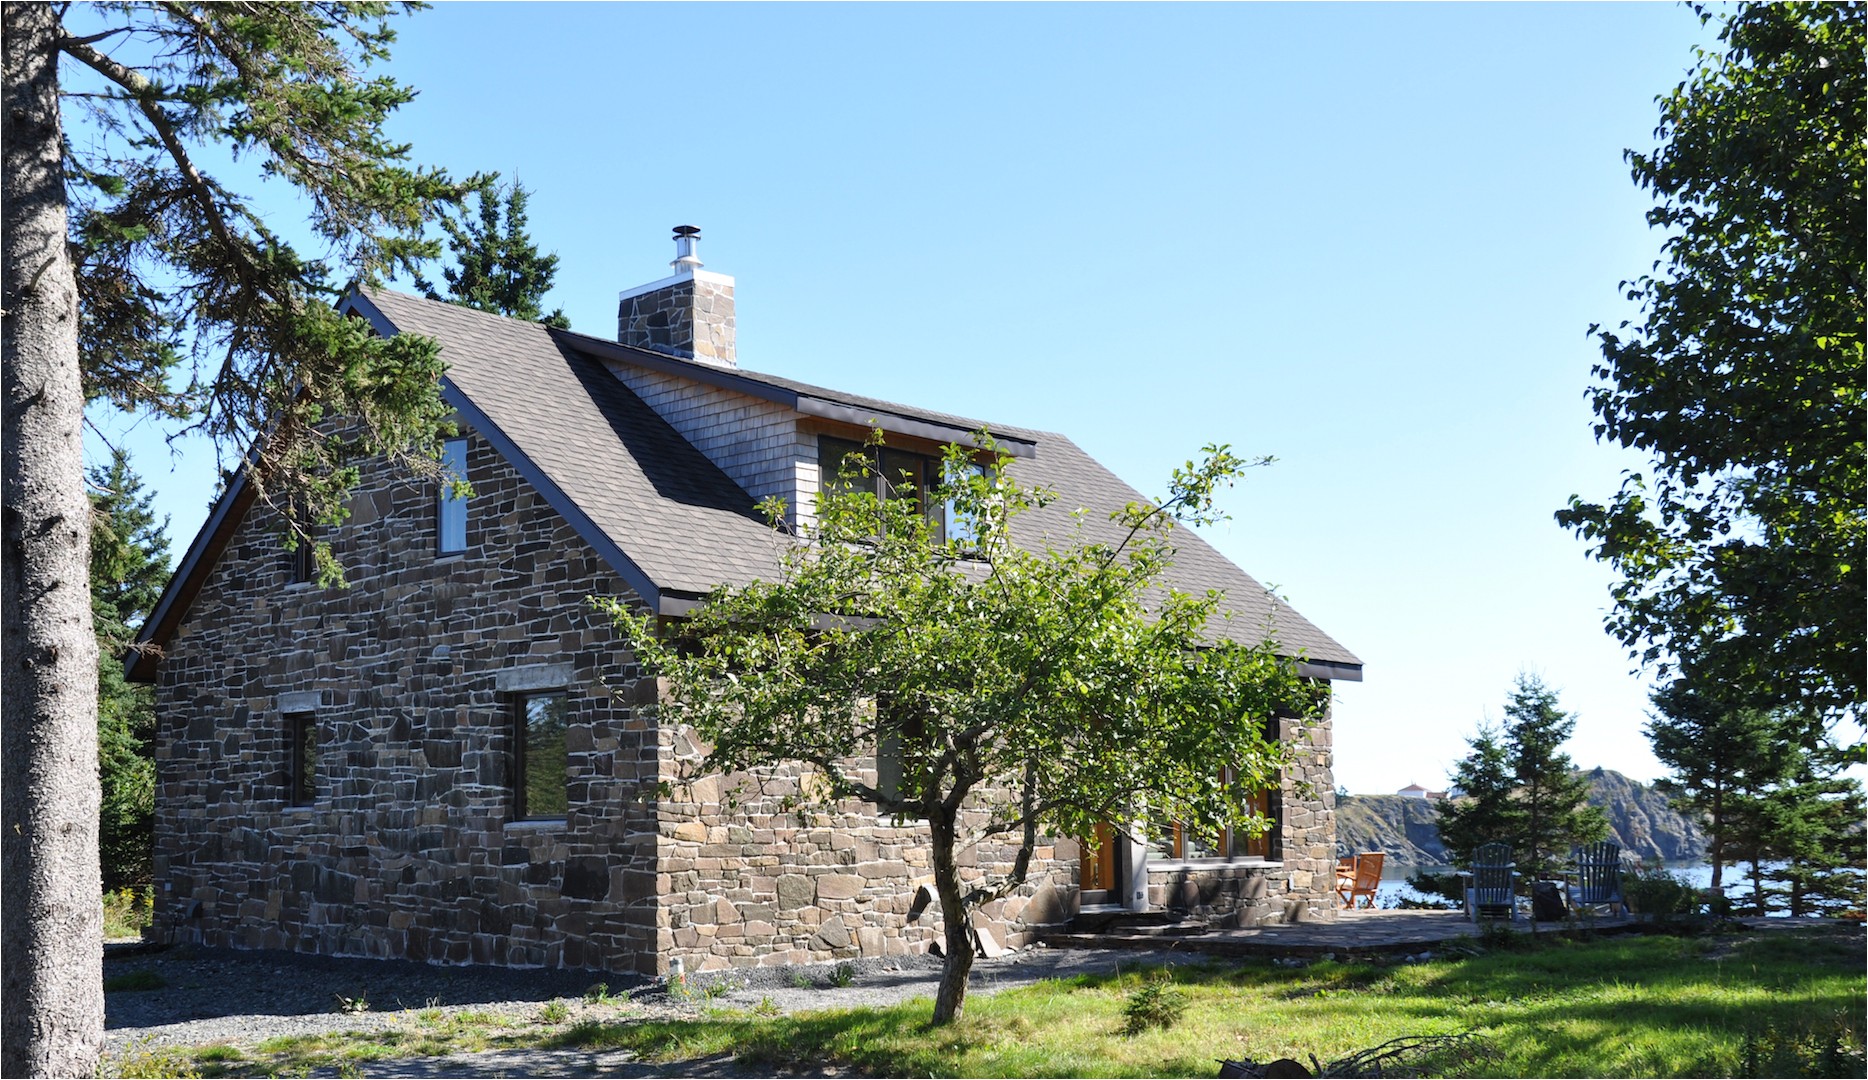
(1358,932)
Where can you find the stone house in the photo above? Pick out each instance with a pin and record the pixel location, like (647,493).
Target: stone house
(453,759)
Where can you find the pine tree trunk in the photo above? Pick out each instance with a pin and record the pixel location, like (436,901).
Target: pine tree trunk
(51,924)
(958,965)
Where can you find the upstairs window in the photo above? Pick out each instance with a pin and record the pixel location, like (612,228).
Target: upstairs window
(451,512)
(301,735)
(894,474)
(539,757)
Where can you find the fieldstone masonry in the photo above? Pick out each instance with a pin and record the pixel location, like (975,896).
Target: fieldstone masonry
(691,316)
(411,848)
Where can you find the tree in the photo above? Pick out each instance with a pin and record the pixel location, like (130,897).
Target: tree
(497,266)
(1814,834)
(1741,561)
(1518,786)
(126,267)
(1481,809)
(1008,689)
(129,567)
(1715,752)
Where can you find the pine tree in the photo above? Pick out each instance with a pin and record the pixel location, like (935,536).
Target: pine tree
(497,267)
(1552,796)
(1516,785)
(1483,809)
(129,567)
(1716,753)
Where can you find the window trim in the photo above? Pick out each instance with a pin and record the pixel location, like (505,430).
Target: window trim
(301,770)
(447,503)
(833,449)
(1272,839)
(520,814)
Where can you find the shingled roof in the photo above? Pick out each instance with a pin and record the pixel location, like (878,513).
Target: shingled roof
(671,523)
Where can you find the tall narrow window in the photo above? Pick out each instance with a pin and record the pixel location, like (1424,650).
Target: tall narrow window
(451,513)
(301,733)
(539,722)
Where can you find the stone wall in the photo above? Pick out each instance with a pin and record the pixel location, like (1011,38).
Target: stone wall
(746,883)
(691,316)
(1309,827)
(410,848)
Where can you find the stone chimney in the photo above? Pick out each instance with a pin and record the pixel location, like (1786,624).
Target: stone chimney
(689,314)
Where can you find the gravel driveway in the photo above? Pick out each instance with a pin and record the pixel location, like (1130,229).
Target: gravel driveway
(218,995)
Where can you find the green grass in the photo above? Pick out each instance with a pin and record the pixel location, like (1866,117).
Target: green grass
(1649,1006)
(1777,1004)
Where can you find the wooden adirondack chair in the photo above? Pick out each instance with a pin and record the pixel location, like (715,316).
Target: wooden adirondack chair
(1359,878)
(1598,877)
(1494,879)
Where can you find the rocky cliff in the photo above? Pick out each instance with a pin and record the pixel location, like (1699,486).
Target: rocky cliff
(1407,829)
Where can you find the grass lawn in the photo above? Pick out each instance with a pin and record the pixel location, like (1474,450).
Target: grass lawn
(1783,1003)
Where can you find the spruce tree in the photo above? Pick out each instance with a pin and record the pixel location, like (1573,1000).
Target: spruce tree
(134,274)
(1517,785)
(497,267)
(129,567)
(1482,809)
(1719,755)
(1552,797)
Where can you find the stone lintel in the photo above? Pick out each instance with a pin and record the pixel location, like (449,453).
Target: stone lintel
(528,677)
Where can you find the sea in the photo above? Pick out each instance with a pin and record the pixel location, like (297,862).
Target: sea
(1394,887)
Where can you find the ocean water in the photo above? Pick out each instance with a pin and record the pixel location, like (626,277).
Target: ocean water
(1394,887)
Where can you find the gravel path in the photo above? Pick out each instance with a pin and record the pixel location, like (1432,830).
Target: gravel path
(242,998)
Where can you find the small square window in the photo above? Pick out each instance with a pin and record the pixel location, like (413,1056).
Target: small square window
(539,723)
(451,510)
(301,733)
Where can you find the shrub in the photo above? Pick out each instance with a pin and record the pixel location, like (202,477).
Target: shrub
(1157,1004)
(128,912)
(1655,892)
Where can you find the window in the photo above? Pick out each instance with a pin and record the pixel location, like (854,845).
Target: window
(451,512)
(893,474)
(1175,840)
(301,734)
(539,722)
(304,561)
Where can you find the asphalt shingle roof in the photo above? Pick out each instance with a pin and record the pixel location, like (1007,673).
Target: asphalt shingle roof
(673,513)
(688,527)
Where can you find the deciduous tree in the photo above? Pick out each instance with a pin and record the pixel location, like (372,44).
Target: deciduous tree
(1741,555)
(133,274)
(1013,689)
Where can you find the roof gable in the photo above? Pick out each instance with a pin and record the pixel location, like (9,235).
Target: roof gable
(668,520)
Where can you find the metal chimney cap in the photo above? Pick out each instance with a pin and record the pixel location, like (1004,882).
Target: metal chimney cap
(687,231)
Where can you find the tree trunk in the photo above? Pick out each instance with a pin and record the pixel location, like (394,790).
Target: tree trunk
(52,921)
(958,943)
(1715,846)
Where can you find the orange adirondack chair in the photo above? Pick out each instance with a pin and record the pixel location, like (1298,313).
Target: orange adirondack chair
(1358,878)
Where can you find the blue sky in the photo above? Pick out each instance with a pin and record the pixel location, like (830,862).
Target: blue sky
(1367,239)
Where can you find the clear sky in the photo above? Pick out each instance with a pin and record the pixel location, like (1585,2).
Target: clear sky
(1368,240)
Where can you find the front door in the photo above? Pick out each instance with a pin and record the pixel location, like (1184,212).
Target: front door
(1096,883)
